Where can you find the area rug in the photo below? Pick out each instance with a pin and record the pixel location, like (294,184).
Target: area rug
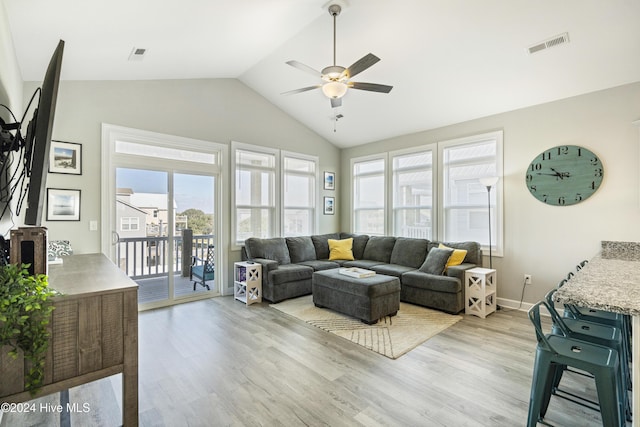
(391,336)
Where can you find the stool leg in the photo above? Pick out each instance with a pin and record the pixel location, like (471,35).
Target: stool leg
(541,384)
(608,387)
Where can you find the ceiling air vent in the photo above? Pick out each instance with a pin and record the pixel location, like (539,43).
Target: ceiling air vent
(549,43)
(137,54)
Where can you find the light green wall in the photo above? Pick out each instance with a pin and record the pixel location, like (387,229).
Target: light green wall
(541,240)
(217,110)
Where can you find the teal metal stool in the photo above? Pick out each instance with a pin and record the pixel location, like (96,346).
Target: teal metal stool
(595,333)
(554,351)
(620,321)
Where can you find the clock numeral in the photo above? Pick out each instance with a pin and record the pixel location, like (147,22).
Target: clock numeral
(545,197)
(536,167)
(563,150)
(599,172)
(546,156)
(578,197)
(594,161)
(593,185)
(529,177)
(579,152)
(561,201)
(533,188)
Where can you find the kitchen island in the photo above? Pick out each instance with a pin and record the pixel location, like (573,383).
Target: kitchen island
(611,281)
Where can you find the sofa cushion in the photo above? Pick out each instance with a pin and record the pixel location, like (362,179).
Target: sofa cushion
(474,251)
(432,282)
(290,273)
(456,257)
(362,263)
(301,249)
(319,265)
(321,245)
(396,270)
(379,248)
(436,261)
(340,249)
(359,243)
(409,252)
(274,248)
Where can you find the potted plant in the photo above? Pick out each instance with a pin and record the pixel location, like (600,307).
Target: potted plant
(25,311)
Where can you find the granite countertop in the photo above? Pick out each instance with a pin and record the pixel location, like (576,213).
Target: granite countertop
(610,281)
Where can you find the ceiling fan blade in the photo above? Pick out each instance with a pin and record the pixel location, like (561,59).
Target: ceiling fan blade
(372,87)
(360,65)
(336,102)
(304,89)
(305,68)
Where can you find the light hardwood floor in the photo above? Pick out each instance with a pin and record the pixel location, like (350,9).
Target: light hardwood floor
(219,363)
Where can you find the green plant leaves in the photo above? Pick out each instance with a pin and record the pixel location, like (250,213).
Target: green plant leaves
(25,309)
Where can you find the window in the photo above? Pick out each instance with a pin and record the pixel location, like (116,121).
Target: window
(412,193)
(129,224)
(275,193)
(369,195)
(298,195)
(255,193)
(432,192)
(465,202)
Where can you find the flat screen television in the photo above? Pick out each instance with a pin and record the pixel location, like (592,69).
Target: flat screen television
(38,139)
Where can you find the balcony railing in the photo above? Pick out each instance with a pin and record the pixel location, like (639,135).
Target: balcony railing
(146,257)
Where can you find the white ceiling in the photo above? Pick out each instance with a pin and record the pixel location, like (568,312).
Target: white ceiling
(448,60)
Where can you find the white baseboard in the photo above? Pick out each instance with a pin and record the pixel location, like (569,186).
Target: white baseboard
(515,305)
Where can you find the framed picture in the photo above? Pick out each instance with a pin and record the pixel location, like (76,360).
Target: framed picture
(329,181)
(63,205)
(65,157)
(329,205)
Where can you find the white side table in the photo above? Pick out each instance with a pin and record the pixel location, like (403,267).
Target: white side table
(480,291)
(247,282)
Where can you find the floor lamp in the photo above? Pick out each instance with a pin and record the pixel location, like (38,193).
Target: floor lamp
(489,182)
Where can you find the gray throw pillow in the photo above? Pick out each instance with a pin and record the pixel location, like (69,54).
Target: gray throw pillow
(436,261)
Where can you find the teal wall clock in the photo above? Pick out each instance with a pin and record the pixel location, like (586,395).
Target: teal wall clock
(564,175)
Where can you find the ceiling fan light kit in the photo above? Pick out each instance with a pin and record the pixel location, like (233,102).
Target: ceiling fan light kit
(335,77)
(334,90)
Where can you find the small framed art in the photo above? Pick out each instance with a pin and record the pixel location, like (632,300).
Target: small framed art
(329,181)
(65,157)
(329,205)
(63,205)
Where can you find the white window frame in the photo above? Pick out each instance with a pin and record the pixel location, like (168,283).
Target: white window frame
(497,243)
(314,212)
(433,148)
(276,203)
(352,219)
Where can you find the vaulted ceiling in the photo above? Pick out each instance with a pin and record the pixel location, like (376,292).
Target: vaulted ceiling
(448,61)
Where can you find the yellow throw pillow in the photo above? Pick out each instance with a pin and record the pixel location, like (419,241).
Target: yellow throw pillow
(340,249)
(456,257)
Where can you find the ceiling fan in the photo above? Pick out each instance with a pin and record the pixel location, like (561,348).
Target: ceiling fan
(336,79)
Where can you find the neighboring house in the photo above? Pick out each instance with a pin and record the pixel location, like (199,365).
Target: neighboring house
(153,205)
(131,221)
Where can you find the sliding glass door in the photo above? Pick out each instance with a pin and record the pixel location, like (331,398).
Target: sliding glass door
(163,214)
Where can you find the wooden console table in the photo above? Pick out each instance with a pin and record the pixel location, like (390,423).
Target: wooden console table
(94,333)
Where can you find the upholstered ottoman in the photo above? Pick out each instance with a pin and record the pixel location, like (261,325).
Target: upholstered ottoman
(367,299)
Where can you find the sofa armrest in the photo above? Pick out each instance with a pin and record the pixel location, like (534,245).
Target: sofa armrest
(267,266)
(458,270)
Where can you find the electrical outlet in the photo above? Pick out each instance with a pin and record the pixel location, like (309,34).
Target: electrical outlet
(527,279)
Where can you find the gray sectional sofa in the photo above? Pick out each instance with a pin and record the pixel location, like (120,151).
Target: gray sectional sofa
(288,265)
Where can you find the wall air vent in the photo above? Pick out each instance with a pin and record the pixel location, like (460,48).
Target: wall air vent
(137,54)
(549,43)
